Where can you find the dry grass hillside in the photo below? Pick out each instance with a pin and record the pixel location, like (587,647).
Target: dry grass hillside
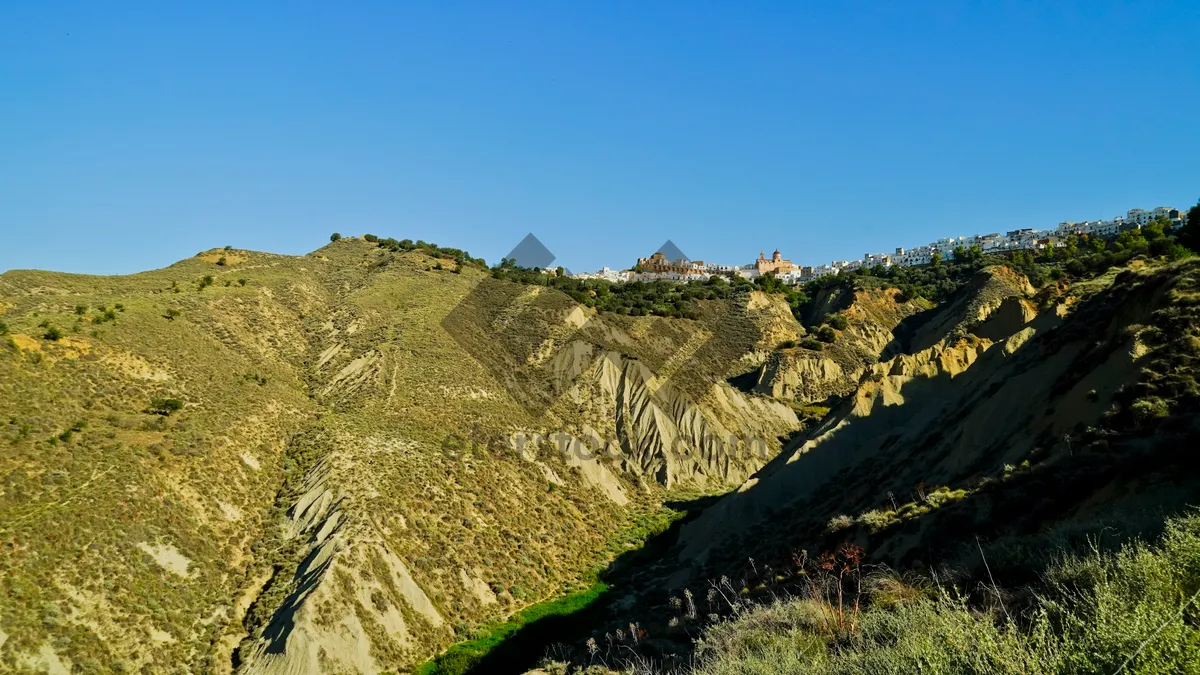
(339,462)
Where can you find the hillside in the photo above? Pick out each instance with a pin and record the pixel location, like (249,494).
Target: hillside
(339,462)
(353,460)
(1007,429)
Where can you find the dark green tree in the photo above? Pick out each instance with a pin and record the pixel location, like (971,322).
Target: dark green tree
(1189,235)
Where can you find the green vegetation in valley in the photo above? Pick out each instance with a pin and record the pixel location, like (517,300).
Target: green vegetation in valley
(462,657)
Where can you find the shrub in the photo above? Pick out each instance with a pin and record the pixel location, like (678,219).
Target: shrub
(786,344)
(877,520)
(222,261)
(1149,408)
(371,238)
(241,282)
(826,334)
(839,523)
(810,343)
(81,309)
(335,236)
(3,328)
(837,321)
(164,406)
(170,314)
(205,281)
(1131,612)
(52,333)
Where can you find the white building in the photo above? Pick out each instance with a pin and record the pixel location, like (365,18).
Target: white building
(747,272)
(1142,217)
(606,273)
(1106,228)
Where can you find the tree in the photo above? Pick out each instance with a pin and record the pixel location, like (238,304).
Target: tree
(1189,236)
(1156,228)
(936,259)
(164,406)
(52,333)
(335,236)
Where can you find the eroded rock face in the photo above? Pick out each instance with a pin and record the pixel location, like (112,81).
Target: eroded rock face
(1007,383)
(805,376)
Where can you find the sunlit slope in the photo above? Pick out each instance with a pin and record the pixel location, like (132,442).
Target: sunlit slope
(344,460)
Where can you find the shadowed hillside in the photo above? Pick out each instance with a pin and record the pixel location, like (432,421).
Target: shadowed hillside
(1036,425)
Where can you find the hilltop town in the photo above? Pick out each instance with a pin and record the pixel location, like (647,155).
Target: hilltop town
(660,267)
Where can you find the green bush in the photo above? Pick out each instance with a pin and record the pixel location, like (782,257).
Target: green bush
(371,238)
(52,333)
(1150,408)
(81,309)
(786,344)
(813,344)
(164,406)
(335,236)
(837,321)
(826,334)
(3,328)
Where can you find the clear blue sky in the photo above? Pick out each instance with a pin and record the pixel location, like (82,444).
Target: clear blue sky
(136,134)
